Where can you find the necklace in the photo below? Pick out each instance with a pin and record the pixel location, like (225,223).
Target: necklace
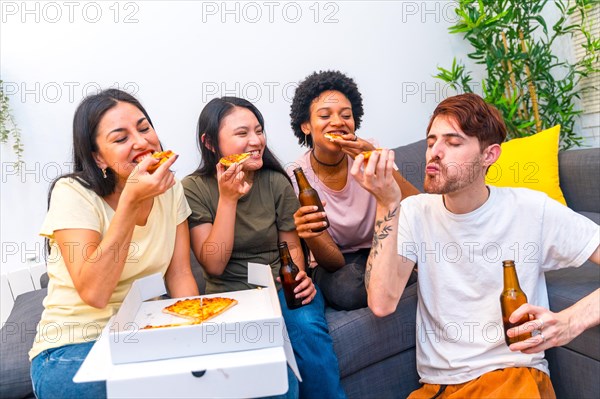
(327,164)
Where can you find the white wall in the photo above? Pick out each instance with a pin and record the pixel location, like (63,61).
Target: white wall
(177,55)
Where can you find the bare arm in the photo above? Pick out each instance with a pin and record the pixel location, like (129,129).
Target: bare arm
(386,272)
(179,278)
(95,263)
(324,249)
(212,242)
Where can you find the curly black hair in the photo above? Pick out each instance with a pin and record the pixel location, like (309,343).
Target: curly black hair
(311,88)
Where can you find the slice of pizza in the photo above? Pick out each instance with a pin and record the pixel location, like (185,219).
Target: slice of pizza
(162,157)
(212,307)
(333,136)
(200,309)
(367,154)
(235,158)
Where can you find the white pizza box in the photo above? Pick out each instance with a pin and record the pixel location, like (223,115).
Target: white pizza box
(254,323)
(244,374)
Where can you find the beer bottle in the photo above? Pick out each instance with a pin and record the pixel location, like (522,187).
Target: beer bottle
(287,273)
(511,298)
(309,196)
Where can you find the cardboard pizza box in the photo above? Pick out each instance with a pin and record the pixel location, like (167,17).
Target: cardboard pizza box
(245,374)
(222,371)
(255,322)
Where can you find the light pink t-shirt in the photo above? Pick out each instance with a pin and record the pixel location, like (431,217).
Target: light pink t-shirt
(351,210)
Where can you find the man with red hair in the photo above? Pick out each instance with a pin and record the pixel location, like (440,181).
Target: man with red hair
(459,233)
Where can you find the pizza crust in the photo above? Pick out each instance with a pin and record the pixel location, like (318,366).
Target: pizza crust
(162,157)
(333,136)
(196,310)
(234,158)
(367,154)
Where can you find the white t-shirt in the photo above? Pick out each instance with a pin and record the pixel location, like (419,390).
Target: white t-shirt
(67,319)
(459,324)
(351,210)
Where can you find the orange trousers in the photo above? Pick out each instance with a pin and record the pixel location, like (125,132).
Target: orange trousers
(513,383)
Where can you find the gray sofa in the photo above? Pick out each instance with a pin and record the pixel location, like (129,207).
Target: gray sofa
(377,355)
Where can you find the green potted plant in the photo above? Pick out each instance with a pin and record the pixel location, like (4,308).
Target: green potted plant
(8,127)
(532,87)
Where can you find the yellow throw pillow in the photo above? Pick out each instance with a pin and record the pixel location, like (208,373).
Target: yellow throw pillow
(530,162)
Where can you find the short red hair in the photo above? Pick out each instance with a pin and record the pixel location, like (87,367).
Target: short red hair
(474,117)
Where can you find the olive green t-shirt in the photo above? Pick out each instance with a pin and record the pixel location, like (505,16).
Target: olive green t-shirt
(267,209)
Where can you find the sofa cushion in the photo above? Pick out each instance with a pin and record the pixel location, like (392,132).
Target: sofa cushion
(17,336)
(410,160)
(567,286)
(530,162)
(361,339)
(579,178)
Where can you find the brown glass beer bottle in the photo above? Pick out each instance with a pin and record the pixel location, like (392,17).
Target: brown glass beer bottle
(309,196)
(287,273)
(511,298)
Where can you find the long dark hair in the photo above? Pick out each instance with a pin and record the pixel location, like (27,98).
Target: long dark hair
(209,123)
(85,130)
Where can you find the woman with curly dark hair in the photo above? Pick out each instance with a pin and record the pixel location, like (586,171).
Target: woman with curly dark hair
(326,111)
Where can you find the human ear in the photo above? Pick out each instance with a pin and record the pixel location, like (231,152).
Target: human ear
(99,160)
(305,128)
(491,154)
(206,142)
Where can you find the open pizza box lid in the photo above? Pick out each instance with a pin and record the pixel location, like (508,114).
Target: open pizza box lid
(254,323)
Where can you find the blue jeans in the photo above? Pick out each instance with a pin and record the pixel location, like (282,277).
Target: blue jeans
(52,373)
(313,348)
(345,288)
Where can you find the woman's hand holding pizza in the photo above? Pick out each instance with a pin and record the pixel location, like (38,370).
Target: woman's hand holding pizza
(231,181)
(354,147)
(142,184)
(308,219)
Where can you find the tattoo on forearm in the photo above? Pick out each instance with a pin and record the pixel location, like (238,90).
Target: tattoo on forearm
(382,230)
(368,270)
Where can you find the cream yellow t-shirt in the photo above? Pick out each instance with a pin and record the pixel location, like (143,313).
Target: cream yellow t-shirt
(66,318)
